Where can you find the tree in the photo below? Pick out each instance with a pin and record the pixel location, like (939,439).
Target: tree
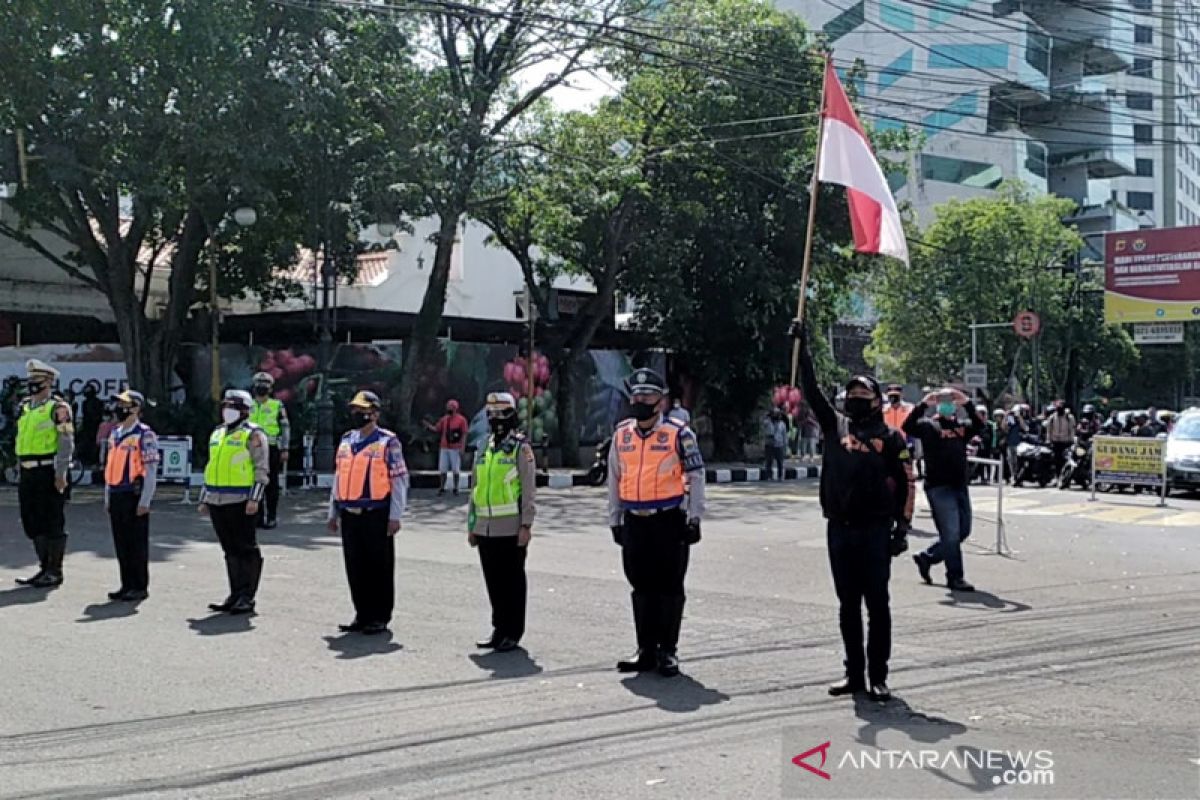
(474,94)
(986,259)
(148,122)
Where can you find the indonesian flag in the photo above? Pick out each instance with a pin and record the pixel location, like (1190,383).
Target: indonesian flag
(846,159)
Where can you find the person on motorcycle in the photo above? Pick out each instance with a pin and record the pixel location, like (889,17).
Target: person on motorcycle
(1089,422)
(1060,432)
(1016,426)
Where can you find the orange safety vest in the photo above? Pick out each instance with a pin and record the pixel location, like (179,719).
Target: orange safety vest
(362,476)
(125,465)
(651,470)
(895,416)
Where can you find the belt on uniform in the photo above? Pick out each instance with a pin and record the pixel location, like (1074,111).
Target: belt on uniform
(44,462)
(650,512)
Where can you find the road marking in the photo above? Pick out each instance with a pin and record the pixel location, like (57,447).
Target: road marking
(1182,519)
(1130,515)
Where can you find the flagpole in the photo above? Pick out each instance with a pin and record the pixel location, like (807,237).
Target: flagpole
(814,185)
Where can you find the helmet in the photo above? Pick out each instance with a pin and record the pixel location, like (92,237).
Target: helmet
(264,377)
(645,381)
(237,398)
(367,400)
(1089,409)
(895,388)
(501,405)
(866,381)
(132,398)
(999,412)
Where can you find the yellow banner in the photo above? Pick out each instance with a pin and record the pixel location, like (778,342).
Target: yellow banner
(1122,308)
(1129,459)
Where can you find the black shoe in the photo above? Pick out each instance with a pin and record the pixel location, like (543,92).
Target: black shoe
(243,605)
(959,585)
(847,686)
(441,492)
(923,567)
(668,664)
(490,642)
(119,594)
(47,580)
(353,627)
(374,628)
(135,595)
(223,606)
(32,579)
(881,692)
(269,525)
(505,645)
(641,661)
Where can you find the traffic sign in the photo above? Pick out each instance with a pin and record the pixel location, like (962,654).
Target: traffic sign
(975,376)
(1027,324)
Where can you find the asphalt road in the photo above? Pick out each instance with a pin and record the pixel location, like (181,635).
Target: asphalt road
(1084,645)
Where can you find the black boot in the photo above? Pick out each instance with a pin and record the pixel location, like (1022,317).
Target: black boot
(641,661)
(56,549)
(644,626)
(670,620)
(39,547)
(231,573)
(848,685)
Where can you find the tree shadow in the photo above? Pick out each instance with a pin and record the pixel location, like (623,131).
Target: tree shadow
(897,714)
(513,664)
(23,596)
(981,601)
(679,695)
(220,624)
(113,609)
(356,645)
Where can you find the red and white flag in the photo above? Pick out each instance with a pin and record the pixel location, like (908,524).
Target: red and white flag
(846,159)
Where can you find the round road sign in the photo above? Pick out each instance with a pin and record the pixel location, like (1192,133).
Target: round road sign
(1027,324)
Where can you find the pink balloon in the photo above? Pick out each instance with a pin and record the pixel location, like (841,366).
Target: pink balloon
(794,395)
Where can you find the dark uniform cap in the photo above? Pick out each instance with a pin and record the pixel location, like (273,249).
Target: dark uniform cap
(866,381)
(368,400)
(894,388)
(132,398)
(645,381)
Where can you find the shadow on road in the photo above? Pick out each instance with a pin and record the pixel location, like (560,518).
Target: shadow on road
(220,624)
(980,601)
(678,695)
(513,664)
(23,596)
(356,645)
(113,609)
(897,714)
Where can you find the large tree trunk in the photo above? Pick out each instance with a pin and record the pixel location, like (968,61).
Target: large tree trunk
(728,429)
(567,370)
(421,345)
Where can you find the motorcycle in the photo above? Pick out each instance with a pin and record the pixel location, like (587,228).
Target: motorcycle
(1035,463)
(1078,466)
(598,474)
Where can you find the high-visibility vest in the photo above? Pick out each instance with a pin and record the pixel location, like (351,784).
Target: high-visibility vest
(651,470)
(895,415)
(125,465)
(37,433)
(266,415)
(230,466)
(362,479)
(497,491)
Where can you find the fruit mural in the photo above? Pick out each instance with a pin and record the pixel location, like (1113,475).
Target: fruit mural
(516,379)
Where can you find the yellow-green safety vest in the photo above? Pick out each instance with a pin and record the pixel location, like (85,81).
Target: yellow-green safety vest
(497,490)
(37,434)
(230,466)
(266,416)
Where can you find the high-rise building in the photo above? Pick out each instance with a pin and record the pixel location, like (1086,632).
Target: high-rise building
(1090,100)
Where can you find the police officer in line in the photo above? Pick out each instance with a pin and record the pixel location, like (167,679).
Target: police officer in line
(368,498)
(500,519)
(45,444)
(235,480)
(864,488)
(655,504)
(130,477)
(271,415)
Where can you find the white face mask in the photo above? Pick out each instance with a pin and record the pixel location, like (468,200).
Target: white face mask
(230,415)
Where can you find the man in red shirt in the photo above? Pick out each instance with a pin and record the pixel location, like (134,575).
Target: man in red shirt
(453,428)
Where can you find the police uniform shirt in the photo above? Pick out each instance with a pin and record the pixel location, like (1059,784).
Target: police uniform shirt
(260,454)
(66,431)
(397,473)
(149,447)
(688,449)
(284,440)
(527,473)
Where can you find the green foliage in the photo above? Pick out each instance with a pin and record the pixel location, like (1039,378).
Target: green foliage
(984,260)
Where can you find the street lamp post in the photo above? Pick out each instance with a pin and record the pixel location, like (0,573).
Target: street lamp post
(244,216)
(323,452)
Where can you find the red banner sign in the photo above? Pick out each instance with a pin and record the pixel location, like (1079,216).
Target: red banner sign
(1152,275)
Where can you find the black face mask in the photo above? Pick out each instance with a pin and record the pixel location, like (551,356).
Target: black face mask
(501,426)
(894,399)
(642,411)
(124,413)
(34,388)
(858,408)
(360,419)
(262,391)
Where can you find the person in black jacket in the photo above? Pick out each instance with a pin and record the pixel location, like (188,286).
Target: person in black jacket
(945,439)
(864,486)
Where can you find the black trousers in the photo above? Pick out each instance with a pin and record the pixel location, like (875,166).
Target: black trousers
(271,495)
(655,558)
(370,556)
(243,560)
(861,562)
(43,516)
(131,539)
(503,563)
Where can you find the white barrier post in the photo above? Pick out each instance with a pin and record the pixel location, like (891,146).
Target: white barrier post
(990,463)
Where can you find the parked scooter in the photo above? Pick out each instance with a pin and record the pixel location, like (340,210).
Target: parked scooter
(1078,466)
(598,474)
(1035,463)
